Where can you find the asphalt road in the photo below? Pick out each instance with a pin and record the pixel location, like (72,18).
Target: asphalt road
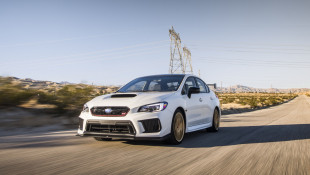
(269,141)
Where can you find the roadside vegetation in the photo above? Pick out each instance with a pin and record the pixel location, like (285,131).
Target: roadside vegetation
(12,94)
(69,99)
(255,100)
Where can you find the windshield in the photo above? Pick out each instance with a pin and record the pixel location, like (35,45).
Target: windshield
(160,83)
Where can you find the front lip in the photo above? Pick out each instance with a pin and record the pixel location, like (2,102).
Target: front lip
(106,135)
(123,136)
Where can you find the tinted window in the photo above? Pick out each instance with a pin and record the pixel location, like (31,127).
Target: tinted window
(154,86)
(138,86)
(190,82)
(201,86)
(159,83)
(207,87)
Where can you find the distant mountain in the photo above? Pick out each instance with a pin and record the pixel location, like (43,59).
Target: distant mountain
(246,89)
(29,83)
(65,83)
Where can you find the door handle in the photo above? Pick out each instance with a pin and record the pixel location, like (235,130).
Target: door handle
(200,99)
(211,98)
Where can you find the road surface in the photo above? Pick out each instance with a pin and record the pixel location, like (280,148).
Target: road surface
(269,141)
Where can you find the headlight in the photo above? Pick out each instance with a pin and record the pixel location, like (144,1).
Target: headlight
(153,107)
(85,108)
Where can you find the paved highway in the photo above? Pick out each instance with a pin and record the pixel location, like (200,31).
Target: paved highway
(270,141)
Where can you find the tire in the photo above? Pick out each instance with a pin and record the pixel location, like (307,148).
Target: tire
(215,122)
(102,139)
(177,128)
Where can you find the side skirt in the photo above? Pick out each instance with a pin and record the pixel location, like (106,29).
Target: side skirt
(198,127)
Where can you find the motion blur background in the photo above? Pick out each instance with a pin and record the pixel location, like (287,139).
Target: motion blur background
(255,43)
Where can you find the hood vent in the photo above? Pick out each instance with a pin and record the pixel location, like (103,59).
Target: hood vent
(123,95)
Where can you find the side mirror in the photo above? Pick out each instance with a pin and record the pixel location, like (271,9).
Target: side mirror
(193,90)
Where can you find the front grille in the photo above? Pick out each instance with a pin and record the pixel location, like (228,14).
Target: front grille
(106,111)
(151,125)
(122,128)
(81,121)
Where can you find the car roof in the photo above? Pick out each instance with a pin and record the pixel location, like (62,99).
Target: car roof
(186,75)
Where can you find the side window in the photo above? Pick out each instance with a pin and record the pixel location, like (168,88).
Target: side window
(201,86)
(207,87)
(190,82)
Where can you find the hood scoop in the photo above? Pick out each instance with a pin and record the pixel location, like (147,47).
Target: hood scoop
(123,95)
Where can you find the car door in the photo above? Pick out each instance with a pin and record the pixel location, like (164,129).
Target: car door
(193,104)
(206,102)
(210,104)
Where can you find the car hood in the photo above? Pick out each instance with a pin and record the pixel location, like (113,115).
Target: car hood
(141,98)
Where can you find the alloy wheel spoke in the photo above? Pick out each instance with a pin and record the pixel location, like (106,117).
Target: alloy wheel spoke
(179,127)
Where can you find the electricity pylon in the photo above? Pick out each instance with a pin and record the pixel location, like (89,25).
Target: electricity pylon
(188,60)
(176,61)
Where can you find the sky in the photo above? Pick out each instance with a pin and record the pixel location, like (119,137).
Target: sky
(257,43)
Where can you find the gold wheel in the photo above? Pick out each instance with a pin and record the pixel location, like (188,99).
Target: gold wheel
(216,120)
(179,127)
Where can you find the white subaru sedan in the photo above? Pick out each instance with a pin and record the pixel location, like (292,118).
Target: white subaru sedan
(157,107)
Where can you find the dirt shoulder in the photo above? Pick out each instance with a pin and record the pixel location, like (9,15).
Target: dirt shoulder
(26,120)
(233,108)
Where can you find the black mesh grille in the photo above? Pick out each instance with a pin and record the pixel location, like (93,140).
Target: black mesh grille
(151,125)
(81,121)
(106,111)
(106,128)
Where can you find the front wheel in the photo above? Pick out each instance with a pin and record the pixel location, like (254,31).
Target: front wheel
(216,122)
(177,128)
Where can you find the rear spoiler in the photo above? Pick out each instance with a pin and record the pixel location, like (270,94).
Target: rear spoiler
(214,85)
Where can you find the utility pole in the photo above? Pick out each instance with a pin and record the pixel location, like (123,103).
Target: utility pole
(176,60)
(221,87)
(188,61)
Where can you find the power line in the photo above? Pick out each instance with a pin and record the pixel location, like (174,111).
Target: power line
(256,64)
(254,60)
(88,59)
(254,51)
(248,44)
(65,39)
(88,54)
(54,65)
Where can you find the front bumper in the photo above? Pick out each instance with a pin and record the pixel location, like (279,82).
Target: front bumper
(119,136)
(134,126)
